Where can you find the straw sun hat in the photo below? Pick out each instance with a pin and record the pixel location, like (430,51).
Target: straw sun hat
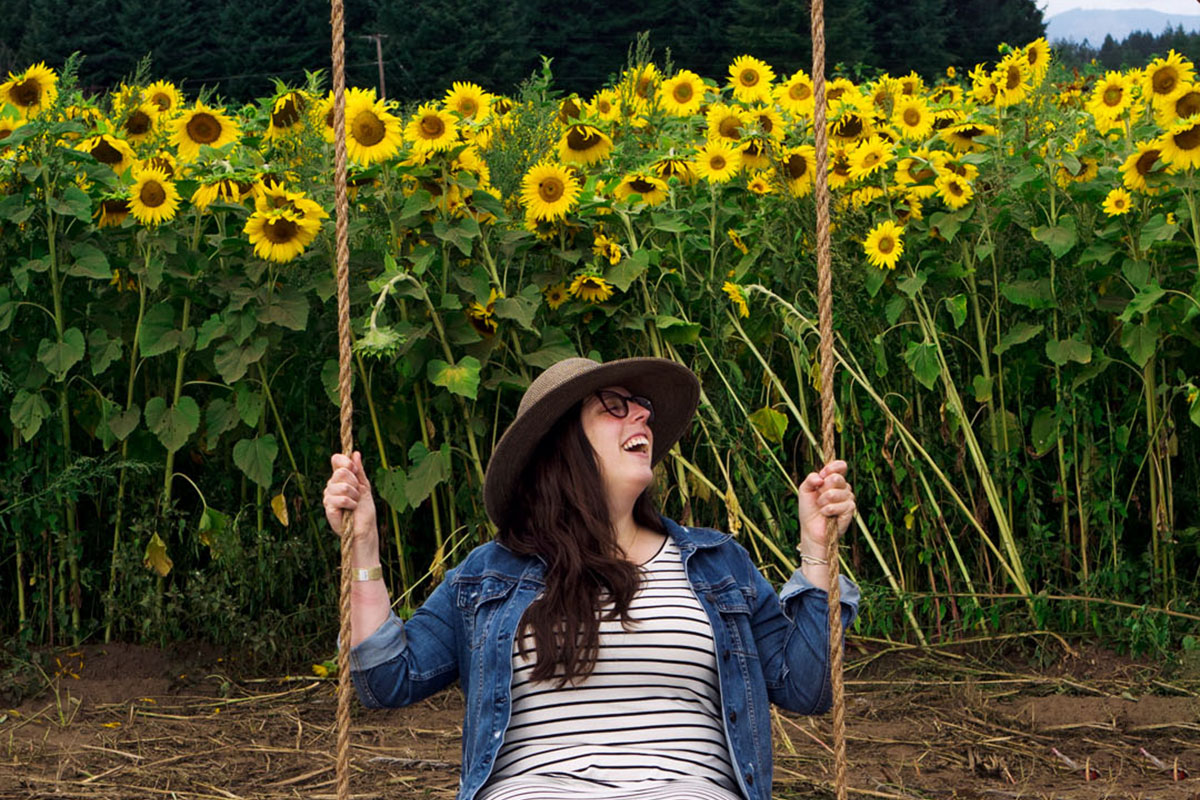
(671,387)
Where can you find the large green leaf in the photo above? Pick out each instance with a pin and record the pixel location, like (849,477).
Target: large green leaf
(59,357)
(219,417)
(676,330)
(285,307)
(1060,352)
(1156,229)
(123,423)
(1043,432)
(1059,238)
(250,404)
(172,425)
(158,334)
(770,423)
(623,275)
(210,329)
(1143,301)
(522,308)
(1019,334)
(104,349)
(461,235)
(89,262)
(256,458)
(8,308)
(232,360)
(461,378)
(1140,340)
(391,484)
(957,306)
(1031,294)
(27,412)
(427,471)
(922,360)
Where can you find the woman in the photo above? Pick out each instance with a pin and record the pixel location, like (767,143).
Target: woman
(603,651)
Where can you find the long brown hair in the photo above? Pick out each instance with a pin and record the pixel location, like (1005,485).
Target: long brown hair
(560,513)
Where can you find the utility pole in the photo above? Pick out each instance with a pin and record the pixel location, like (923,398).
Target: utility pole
(377,37)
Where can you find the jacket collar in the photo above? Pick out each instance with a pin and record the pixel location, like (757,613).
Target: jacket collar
(692,538)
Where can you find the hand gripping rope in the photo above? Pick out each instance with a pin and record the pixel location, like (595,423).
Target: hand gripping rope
(825,326)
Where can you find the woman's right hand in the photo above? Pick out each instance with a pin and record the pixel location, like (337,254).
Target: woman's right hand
(349,490)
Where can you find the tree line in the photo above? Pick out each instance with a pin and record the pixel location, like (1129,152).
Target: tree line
(1136,49)
(237,47)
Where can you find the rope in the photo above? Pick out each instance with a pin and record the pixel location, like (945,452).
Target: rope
(828,443)
(342,256)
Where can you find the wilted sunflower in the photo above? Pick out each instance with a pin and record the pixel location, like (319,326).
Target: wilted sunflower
(717,162)
(31,91)
(110,150)
(795,95)
(591,288)
(962,136)
(738,297)
(754,155)
(153,198)
(1187,104)
(608,249)
(869,157)
(1117,202)
(372,132)
(1014,79)
(229,190)
(280,235)
(652,190)
(1164,79)
(799,166)
(884,245)
(583,144)
(431,129)
(201,126)
(548,191)
(287,114)
(138,125)
(682,169)
(482,316)
(912,117)
(751,79)
(682,94)
(1143,170)
(1180,145)
(164,95)
(111,212)
(468,100)
(555,295)
(954,190)
(1111,98)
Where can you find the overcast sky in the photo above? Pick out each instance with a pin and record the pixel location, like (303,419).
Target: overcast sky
(1052,7)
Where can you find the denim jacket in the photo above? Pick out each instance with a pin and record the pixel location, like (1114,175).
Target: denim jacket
(769,647)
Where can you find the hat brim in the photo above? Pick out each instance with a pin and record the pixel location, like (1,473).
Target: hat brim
(672,388)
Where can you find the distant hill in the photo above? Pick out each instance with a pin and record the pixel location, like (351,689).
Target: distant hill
(1078,25)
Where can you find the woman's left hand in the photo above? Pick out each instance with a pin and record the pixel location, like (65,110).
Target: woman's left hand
(824,494)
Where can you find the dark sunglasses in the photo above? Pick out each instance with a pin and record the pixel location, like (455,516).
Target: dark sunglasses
(617,404)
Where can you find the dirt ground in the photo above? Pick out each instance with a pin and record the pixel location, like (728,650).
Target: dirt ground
(122,721)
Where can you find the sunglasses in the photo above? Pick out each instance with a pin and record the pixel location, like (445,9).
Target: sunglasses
(617,404)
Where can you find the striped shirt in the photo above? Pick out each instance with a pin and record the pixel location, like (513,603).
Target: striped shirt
(645,724)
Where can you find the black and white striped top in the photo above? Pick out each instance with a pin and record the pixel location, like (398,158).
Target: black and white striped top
(646,724)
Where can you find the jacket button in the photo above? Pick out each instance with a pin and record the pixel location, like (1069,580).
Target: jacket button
(733,716)
(725,654)
(749,778)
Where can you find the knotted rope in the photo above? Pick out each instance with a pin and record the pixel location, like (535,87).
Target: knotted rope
(342,256)
(825,328)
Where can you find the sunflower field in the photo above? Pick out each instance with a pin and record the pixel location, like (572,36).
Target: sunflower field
(1017,293)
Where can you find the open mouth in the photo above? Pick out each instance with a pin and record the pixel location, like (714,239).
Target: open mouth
(637,443)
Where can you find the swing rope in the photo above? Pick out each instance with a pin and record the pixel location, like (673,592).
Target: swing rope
(828,443)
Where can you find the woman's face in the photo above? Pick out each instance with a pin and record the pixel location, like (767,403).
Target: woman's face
(623,445)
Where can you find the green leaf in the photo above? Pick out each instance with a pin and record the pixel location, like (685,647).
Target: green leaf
(104,350)
(1194,410)
(1059,238)
(1140,340)
(894,308)
(1008,431)
(677,331)
(770,423)
(1143,301)
(957,306)
(981,387)
(210,329)
(329,381)
(158,334)
(391,483)
(172,425)
(1090,371)
(555,347)
(1136,272)
(123,423)
(671,223)
(232,360)
(249,403)
(947,225)
(15,209)
(428,470)
(1156,229)
(522,308)
(219,417)
(90,262)
(59,357)
(911,284)
(1043,433)
(256,458)
(487,203)
(922,360)
(213,531)
(285,307)
(27,412)
(1021,332)
(881,365)
(1031,294)
(1060,352)
(461,235)
(1099,251)
(623,275)
(461,378)
(874,279)
(8,308)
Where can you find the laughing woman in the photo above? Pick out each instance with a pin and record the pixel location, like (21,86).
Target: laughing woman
(604,651)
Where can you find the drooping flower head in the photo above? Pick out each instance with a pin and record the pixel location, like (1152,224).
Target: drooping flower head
(583,144)
(31,91)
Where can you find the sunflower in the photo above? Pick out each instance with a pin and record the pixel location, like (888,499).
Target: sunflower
(954,190)
(607,248)
(569,109)
(108,149)
(795,95)
(153,198)
(884,246)
(591,288)
(287,115)
(799,169)
(606,105)
(468,100)
(322,110)
(1179,147)
(861,198)
(962,136)
(556,295)
(430,130)
(31,91)
(915,168)
(754,155)
(737,297)
(682,94)
(725,122)
(482,316)
(946,94)
(373,133)
(839,166)
(583,144)
(1111,97)
(983,84)
(1013,78)
(1187,104)
(273,196)
(8,125)
(912,117)
(884,93)
(668,168)
(280,235)
(1142,170)
(1117,202)
(843,90)
(202,126)
(164,162)
(751,79)
(652,190)
(1037,55)
(548,191)
(228,190)
(164,95)
(1164,79)
(759,184)
(111,212)
(944,162)
(642,80)
(869,157)
(768,121)
(717,162)
(850,120)
(1088,169)
(138,125)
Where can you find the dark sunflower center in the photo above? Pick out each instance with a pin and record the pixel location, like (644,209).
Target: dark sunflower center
(912,117)
(886,244)
(872,158)
(551,190)
(849,127)
(682,92)
(1164,80)
(287,115)
(1188,105)
(502,105)
(955,188)
(1146,162)
(716,162)
(139,123)
(919,173)
(281,230)
(969,133)
(467,106)
(1034,55)
(730,127)
(799,91)
(603,106)
(569,109)
(1012,78)
(834,94)
(26,93)
(368,129)
(908,87)
(432,127)
(1189,139)
(163,165)
(581,139)
(105,153)
(4,131)
(1112,96)
(668,169)
(114,208)
(643,86)
(152,194)
(797,166)
(748,77)
(162,100)
(753,150)
(641,186)
(765,123)
(203,128)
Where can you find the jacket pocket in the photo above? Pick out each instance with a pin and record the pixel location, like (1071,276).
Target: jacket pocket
(478,598)
(734,611)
